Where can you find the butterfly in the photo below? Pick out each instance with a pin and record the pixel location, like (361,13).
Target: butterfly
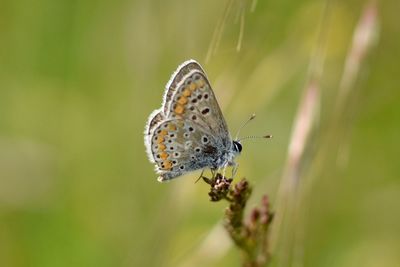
(189,132)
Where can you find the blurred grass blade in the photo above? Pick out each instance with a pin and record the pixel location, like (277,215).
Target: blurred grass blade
(289,192)
(365,35)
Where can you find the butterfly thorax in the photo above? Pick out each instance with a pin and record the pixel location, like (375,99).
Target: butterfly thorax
(225,156)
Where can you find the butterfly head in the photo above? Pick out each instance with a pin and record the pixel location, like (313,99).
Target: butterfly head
(237,147)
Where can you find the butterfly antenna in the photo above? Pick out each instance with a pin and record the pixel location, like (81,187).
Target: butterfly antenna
(255,136)
(244,124)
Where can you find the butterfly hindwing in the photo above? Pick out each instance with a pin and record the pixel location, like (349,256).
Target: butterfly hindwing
(179,146)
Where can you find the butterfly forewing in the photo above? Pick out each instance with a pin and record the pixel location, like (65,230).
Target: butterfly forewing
(176,78)
(158,115)
(195,101)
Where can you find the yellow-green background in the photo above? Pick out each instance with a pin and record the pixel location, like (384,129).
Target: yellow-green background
(79,78)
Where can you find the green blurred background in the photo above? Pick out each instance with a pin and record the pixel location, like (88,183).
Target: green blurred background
(78,80)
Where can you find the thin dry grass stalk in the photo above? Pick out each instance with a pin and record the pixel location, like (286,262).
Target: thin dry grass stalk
(289,197)
(241,6)
(364,38)
(289,188)
(291,202)
(365,35)
(303,125)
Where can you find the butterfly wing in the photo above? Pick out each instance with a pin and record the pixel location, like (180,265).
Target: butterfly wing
(189,131)
(176,78)
(179,146)
(194,100)
(158,115)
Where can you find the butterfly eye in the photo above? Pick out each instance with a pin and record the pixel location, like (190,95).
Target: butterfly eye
(237,146)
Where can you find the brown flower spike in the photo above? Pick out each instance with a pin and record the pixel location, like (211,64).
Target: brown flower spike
(249,235)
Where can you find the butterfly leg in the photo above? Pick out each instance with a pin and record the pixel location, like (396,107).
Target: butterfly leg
(201,176)
(206,179)
(234,169)
(212,173)
(224,170)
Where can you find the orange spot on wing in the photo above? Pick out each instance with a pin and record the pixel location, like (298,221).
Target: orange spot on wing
(163,132)
(172,127)
(160,139)
(187,92)
(161,147)
(182,100)
(164,155)
(179,109)
(192,86)
(167,164)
